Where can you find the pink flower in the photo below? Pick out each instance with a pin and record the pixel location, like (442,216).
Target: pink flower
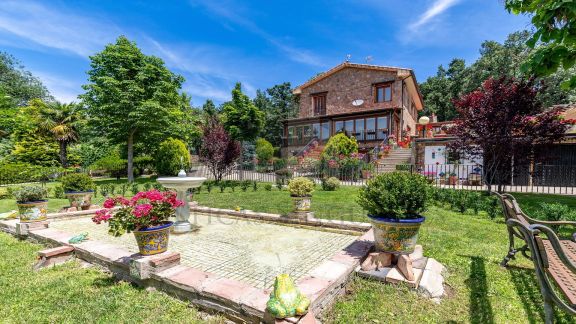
(109,203)
(142,210)
(102,215)
(154,195)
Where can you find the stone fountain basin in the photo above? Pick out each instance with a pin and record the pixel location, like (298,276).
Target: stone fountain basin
(181,183)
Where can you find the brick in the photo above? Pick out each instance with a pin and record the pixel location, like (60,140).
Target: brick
(431,284)
(395,276)
(435,266)
(420,263)
(309,318)
(56,251)
(377,260)
(165,259)
(256,300)
(227,289)
(379,274)
(192,279)
(418,252)
(312,287)
(330,270)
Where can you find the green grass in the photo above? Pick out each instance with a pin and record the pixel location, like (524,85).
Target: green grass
(72,294)
(531,202)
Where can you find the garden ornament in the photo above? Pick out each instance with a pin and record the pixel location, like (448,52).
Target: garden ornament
(286,300)
(79,238)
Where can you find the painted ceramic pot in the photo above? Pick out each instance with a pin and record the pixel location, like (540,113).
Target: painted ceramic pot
(32,211)
(153,240)
(302,204)
(80,199)
(395,236)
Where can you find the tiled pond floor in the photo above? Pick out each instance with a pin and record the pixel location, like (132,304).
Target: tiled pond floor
(245,250)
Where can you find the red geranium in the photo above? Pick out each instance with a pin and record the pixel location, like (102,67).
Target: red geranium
(145,209)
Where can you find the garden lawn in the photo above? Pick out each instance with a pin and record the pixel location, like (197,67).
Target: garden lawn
(71,294)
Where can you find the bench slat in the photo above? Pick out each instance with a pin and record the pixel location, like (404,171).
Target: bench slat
(564,278)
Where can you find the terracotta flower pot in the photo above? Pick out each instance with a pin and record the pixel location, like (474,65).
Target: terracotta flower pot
(80,199)
(32,211)
(453,180)
(395,236)
(153,240)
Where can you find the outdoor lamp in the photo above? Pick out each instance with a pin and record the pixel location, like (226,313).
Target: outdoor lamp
(424,120)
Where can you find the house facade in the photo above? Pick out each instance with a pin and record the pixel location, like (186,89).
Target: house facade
(368,102)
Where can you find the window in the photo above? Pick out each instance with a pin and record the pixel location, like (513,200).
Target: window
(383,92)
(325,131)
(319,104)
(316,130)
(338,126)
(349,127)
(382,125)
(359,129)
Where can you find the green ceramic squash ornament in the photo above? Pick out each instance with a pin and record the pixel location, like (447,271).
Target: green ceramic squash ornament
(285,300)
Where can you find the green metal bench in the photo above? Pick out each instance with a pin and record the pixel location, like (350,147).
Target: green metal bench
(554,259)
(555,264)
(513,211)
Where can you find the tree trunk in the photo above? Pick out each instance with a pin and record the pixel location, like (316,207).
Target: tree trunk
(241,170)
(130,157)
(63,154)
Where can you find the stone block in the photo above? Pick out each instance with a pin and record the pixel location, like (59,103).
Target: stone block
(395,276)
(431,284)
(379,274)
(420,263)
(228,290)
(405,267)
(24,228)
(435,266)
(143,267)
(56,251)
(312,287)
(377,260)
(418,252)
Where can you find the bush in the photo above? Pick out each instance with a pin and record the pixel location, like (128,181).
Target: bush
(30,193)
(283,175)
(209,184)
(268,187)
(279,163)
(111,164)
(254,186)
(338,145)
(264,151)
(330,184)
(244,185)
(135,188)
(397,195)
(301,187)
(12,173)
(147,186)
(171,157)
(555,212)
(77,182)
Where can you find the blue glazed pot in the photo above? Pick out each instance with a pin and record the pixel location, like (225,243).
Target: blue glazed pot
(393,235)
(32,211)
(153,240)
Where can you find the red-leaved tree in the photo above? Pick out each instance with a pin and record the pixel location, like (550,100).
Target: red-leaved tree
(218,151)
(503,125)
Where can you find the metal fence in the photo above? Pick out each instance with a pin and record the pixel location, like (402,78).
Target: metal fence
(548,179)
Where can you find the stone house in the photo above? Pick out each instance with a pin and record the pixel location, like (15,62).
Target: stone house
(368,102)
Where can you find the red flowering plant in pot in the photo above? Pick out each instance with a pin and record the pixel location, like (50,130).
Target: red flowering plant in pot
(146,215)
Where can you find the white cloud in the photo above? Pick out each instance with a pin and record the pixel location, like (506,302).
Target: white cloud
(62,89)
(231,12)
(437,8)
(57,29)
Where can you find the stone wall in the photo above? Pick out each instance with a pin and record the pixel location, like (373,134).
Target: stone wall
(348,85)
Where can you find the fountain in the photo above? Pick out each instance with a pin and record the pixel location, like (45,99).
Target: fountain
(181,184)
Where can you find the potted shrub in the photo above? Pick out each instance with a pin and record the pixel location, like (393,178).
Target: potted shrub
(453,178)
(32,203)
(367,169)
(146,214)
(79,189)
(301,189)
(394,202)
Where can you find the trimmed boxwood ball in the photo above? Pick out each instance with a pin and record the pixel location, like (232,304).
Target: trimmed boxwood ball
(172,156)
(330,184)
(77,182)
(397,195)
(301,187)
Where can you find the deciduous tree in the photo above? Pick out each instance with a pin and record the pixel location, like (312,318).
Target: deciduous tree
(130,94)
(219,151)
(504,125)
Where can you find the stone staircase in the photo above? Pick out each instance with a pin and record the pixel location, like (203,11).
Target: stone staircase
(315,153)
(395,157)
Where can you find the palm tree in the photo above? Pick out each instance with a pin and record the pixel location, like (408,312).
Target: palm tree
(61,120)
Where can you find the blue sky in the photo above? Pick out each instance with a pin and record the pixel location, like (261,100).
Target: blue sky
(214,43)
